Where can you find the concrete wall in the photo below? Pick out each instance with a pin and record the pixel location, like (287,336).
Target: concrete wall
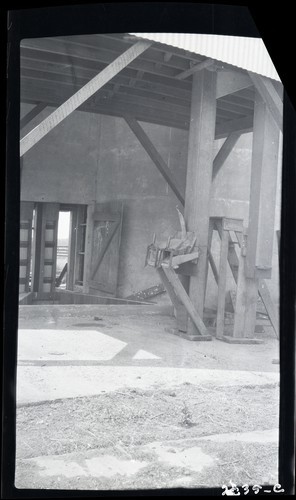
(91,157)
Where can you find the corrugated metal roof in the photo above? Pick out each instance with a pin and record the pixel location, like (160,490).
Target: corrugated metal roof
(246,53)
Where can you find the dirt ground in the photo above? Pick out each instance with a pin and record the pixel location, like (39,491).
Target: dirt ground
(122,423)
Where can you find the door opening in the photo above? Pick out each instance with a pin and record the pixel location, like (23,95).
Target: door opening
(63,250)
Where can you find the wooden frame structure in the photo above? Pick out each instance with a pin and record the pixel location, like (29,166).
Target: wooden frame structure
(142,81)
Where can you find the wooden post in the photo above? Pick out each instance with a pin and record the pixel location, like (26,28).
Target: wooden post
(222,283)
(80,243)
(88,247)
(71,250)
(199,177)
(26,217)
(262,192)
(245,305)
(45,246)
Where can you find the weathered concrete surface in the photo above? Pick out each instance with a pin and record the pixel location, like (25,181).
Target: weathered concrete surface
(45,383)
(179,465)
(91,157)
(131,348)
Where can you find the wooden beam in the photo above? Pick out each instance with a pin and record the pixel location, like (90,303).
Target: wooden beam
(88,247)
(179,309)
(270,96)
(222,284)
(167,56)
(232,257)
(104,248)
(72,250)
(82,95)
(199,175)
(242,125)
(32,114)
(197,67)
(262,190)
(112,107)
(229,82)
(155,156)
(224,152)
(183,297)
(246,302)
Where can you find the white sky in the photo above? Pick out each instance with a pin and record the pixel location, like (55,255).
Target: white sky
(63,227)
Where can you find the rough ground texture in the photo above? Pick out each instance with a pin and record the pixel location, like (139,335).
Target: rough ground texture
(162,412)
(122,424)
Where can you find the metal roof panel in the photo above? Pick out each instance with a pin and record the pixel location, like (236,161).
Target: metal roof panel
(247,53)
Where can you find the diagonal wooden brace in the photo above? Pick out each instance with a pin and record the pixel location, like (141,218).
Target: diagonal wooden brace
(179,296)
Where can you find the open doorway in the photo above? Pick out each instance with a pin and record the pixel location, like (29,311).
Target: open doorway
(63,243)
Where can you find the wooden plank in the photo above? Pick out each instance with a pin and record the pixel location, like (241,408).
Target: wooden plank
(82,95)
(71,250)
(213,267)
(222,284)
(142,113)
(38,250)
(245,304)
(262,190)
(180,311)
(183,297)
(59,279)
(242,125)
(269,306)
(236,225)
(26,217)
(155,156)
(224,152)
(199,176)
(32,114)
(148,293)
(229,82)
(270,96)
(195,68)
(88,247)
(181,259)
(79,243)
(104,248)
(233,259)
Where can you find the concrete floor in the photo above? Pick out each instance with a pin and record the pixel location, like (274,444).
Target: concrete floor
(84,350)
(61,348)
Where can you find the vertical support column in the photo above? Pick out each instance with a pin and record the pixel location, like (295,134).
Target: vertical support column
(199,177)
(262,192)
(71,250)
(80,244)
(26,217)
(222,283)
(246,302)
(256,260)
(88,247)
(45,247)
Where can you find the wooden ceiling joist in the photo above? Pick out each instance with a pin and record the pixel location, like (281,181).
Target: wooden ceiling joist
(194,69)
(32,114)
(82,95)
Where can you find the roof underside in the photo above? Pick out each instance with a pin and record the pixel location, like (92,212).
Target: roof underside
(243,52)
(53,69)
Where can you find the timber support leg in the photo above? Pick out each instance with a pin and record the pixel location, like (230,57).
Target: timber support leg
(183,307)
